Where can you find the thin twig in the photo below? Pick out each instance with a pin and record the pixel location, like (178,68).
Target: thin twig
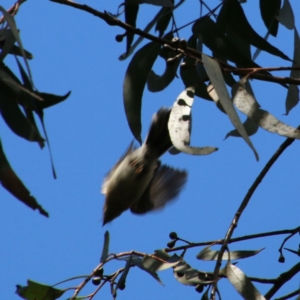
(13,10)
(190,52)
(234,240)
(244,204)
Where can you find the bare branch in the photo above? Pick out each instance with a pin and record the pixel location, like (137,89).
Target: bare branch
(244,204)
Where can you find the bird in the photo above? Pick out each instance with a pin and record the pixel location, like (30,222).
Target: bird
(139,181)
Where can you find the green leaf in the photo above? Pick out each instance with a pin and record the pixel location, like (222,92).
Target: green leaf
(134,83)
(207,254)
(11,182)
(131,12)
(269,10)
(179,124)
(105,248)
(239,24)
(286,15)
(242,283)
(215,75)
(247,104)
(38,291)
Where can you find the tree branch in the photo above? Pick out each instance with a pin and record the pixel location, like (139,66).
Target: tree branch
(244,204)
(282,279)
(193,53)
(234,240)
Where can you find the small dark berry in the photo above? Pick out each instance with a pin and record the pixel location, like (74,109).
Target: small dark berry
(119,38)
(99,273)
(281,259)
(171,244)
(173,235)
(96,280)
(199,288)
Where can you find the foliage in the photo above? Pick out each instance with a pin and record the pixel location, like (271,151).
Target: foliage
(227,33)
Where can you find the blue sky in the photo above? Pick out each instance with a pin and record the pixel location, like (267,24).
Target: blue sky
(88,132)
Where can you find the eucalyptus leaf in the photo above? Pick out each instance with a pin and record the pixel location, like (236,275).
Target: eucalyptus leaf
(14,117)
(35,290)
(11,182)
(207,254)
(179,124)
(131,12)
(292,98)
(157,83)
(242,283)
(9,40)
(215,75)
(134,83)
(190,75)
(105,249)
(286,15)
(247,104)
(122,280)
(239,24)
(269,10)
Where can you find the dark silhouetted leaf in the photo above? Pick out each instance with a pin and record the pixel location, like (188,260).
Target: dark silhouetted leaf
(208,254)
(14,185)
(269,10)
(12,24)
(190,75)
(212,36)
(164,20)
(292,98)
(215,75)
(157,83)
(38,291)
(7,44)
(286,15)
(293,251)
(131,11)
(134,83)
(247,104)
(180,124)
(242,283)
(51,99)
(105,248)
(239,24)
(14,117)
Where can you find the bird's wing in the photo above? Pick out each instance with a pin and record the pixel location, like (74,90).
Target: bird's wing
(129,150)
(164,187)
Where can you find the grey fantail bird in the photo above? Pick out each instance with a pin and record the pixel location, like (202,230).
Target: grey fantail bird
(138,181)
